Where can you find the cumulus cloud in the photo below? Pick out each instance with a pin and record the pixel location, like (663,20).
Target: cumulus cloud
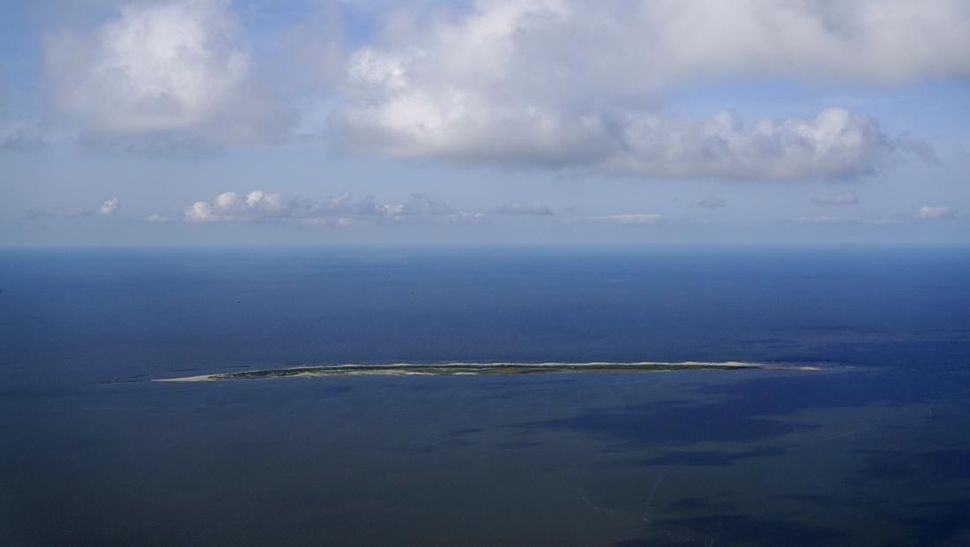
(260,206)
(836,198)
(639,218)
(108,207)
(553,83)
(712,203)
(551,47)
(558,82)
(176,68)
(835,143)
(929,212)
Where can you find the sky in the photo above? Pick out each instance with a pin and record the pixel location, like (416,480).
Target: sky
(488,122)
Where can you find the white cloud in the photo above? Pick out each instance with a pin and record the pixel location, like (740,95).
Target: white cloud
(833,144)
(836,198)
(551,46)
(260,206)
(171,68)
(108,207)
(638,218)
(555,83)
(563,82)
(882,41)
(934,213)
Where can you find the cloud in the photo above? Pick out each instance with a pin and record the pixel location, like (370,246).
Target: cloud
(561,84)
(833,144)
(712,203)
(639,218)
(550,47)
(935,213)
(568,83)
(176,69)
(521,208)
(22,136)
(108,207)
(158,217)
(260,206)
(871,221)
(825,220)
(836,198)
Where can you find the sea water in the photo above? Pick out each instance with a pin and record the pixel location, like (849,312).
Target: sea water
(873,450)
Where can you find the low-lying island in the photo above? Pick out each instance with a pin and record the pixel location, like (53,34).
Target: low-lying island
(476,369)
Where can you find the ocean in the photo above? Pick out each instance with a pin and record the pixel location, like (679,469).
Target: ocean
(872,450)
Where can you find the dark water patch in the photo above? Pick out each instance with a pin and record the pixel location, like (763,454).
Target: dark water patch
(745,411)
(946,464)
(696,504)
(464,432)
(732,529)
(944,523)
(788,395)
(709,457)
(445,445)
(842,500)
(674,424)
(511,445)
(749,410)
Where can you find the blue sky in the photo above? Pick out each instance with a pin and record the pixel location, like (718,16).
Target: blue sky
(484,122)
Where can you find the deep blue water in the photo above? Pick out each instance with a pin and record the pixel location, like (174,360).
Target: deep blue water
(875,450)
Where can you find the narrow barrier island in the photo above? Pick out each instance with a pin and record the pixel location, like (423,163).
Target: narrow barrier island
(479,369)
